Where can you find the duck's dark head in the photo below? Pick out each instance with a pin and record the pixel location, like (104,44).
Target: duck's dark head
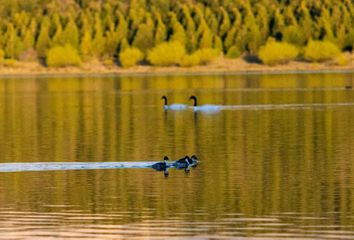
(194,98)
(165,158)
(194,160)
(165,100)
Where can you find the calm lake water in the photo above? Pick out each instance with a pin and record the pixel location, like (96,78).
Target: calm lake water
(281,171)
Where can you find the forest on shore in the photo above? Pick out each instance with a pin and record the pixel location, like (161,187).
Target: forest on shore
(59,33)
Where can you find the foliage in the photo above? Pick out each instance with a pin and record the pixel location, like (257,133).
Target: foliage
(108,63)
(341,60)
(190,60)
(166,54)
(43,40)
(86,44)
(10,63)
(71,34)
(144,38)
(178,32)
(207,55)
(277,52)
(13,45)
(2,56)
(233,52)
(102,29)
(62,56)
(130,57)
(318,51)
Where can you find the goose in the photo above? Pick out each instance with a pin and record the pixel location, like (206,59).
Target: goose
(176,106)
(206,107)
(161,166)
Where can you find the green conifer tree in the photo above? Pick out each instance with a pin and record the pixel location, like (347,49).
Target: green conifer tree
(206,39)
(160,30)
(189,25)
(262,20)
(344,32)
(122,28)
(43,40)
(57,38)
(225,23)
(211,20)
(178,33)
(86,44)
(112,38)
(217,43)
(231,35)
(306,23)
(71,34)
(99,41)
(144,38)
(136,13)
(278,25)
(124,44)
(230,38)
(293,34)
(325,24)
(13,45)
(28,40)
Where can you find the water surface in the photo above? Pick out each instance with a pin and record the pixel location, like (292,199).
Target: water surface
(279,163)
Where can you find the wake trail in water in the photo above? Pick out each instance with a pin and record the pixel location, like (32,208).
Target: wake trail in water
(276,106)
(53,166)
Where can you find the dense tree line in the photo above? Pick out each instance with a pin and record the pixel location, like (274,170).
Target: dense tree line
(101,29)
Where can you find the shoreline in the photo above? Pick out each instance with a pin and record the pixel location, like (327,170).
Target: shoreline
(220,66)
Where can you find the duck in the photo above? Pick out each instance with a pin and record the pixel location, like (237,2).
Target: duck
(206,107)
(161,166)
(193,161)
(182,163)
(176,106)
(186,162)
(348,87)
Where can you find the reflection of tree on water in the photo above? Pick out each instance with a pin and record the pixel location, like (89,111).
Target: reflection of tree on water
(256,162)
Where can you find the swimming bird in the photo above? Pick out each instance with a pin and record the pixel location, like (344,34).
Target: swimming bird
(161,166)
(181,163)
(186,162)
(193,161)
(176,106)
(206,107)
(348,87)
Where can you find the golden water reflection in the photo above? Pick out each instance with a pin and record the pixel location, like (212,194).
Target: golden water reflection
(267,173)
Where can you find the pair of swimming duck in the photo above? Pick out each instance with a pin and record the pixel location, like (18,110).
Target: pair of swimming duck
(179,106)
(183,163)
